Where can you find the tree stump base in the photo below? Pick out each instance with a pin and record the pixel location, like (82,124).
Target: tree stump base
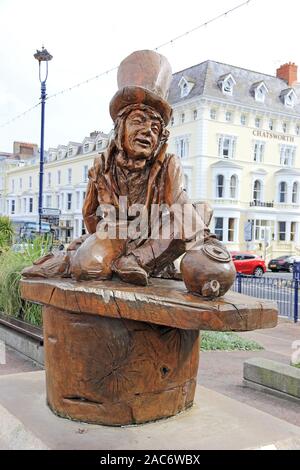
(118,354)
(111,371)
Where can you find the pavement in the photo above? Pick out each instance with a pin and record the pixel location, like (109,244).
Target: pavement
(222,371)
(226,415)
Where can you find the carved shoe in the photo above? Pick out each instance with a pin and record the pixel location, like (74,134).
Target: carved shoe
(129,270)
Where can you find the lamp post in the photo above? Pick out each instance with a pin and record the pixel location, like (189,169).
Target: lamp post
(42,56)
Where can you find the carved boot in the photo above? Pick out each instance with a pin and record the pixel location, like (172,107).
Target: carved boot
(129,270)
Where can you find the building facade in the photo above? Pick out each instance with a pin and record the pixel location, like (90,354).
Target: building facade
(238,134)
(65,180)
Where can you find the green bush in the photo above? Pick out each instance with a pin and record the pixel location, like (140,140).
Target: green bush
(11,265)
(6,232)
(215,340)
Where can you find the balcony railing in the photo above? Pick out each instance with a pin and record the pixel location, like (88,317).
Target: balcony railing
(261,204)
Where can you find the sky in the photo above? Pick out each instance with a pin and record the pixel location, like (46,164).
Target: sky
(89,37)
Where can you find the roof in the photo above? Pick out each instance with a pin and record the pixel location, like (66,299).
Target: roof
(207,74)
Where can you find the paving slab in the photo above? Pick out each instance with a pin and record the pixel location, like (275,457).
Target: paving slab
(215,422)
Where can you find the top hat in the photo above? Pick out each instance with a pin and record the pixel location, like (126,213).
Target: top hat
(143,77)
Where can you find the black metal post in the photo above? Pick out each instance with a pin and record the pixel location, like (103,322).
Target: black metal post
(296,296)
(41,176)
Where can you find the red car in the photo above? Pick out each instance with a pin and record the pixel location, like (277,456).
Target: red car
(248,263)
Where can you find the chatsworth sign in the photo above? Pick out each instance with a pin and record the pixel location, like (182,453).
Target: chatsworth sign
(273,135)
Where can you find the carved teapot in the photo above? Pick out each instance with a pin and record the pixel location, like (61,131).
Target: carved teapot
(208,270)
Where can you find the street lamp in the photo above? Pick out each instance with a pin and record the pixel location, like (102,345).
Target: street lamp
(42,56)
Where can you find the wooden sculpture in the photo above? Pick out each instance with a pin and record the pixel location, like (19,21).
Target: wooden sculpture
(127,352)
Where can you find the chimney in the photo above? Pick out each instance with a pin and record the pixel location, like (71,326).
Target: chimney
(288,72)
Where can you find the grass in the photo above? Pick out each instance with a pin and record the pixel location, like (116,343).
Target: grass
(296,365)
(214,340)
(11,265)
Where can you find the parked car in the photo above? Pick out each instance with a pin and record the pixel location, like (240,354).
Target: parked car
(248,263)
(283,263)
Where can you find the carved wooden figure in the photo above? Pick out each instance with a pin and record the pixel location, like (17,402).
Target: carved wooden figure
(127,352)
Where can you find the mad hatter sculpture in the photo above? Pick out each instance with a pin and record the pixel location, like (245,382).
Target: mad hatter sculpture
(137,168)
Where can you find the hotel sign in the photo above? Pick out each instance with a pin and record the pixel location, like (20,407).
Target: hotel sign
(273,135)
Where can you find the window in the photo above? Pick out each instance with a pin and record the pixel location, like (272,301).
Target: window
(258,151)
(260,93)
(220,186)
(230,229)
(13,206)
(172,121)
(58,177)
(184,89)
(70,151)
(257,122)
(86,147)
(243,119)
(77,199)
(287,155)
(282,231)
(24,205)
(293,231)
(99,144)
(49,179)
(85,173)
(83,230)
(228,116)
(284,127)
(48,200)
(195,114)
(295,193)
(30,182)
(282,191)
(69,175)
(69,201)
(31,204)
(182,147)
(20,183)
(271,124)
(297,130)
(226,83)
(257,191)
(219,228)
(213,114)
(226,146)
(233,186)
(182,118)
(59,154)
(289,98)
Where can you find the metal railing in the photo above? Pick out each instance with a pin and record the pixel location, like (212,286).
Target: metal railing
(280,290)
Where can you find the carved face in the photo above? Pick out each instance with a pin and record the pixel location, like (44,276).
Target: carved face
(141,135)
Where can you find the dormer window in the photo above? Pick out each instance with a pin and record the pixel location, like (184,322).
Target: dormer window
(226,84)
(185,84)
(259,90)
(70,151)
(99,144)
(86,148)
(288,97)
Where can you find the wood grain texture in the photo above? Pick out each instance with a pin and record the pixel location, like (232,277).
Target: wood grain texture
(116,372)
(163,302)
